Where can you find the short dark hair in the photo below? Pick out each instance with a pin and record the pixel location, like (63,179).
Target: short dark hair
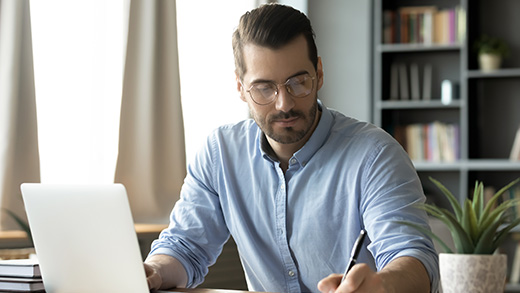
(272,26)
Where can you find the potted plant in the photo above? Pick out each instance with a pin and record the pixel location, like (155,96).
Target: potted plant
(491,51)
(477,228)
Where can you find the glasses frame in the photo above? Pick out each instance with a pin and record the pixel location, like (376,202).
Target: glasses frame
(277,86)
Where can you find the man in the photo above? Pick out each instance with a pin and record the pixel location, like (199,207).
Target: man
(295,185)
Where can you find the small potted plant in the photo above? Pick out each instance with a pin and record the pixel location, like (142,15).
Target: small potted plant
(491,51)
(477,229)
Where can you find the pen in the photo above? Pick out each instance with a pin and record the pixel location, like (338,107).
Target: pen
(355,252)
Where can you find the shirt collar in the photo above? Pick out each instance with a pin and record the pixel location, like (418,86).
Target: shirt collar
(317,139)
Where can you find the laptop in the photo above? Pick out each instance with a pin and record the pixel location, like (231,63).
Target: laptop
(84,238)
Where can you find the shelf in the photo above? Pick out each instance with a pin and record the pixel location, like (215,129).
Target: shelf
(469,165)
(432,104)
(437,166)
(511,72)
(510,288)
(492,165)
(397,48)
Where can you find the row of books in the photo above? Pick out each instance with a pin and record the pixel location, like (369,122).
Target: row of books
(413,83)
(432,142)
(20,275)
(424,25)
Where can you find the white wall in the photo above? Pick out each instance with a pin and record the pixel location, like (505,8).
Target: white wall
(343,38)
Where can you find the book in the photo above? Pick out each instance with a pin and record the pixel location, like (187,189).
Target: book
(427,23)
(432,142)
(394,81)
(389,27)
(27,268)
(427,82)
(415,24)
(10,284)
(515,150)
(403,83)
(461,24)
(414,81)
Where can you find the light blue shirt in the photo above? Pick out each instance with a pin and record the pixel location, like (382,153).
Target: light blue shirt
(293,230)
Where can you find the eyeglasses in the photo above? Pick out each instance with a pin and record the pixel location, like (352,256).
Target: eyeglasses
(299,86)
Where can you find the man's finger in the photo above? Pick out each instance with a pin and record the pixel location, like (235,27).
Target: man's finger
(329,283)
(355,278)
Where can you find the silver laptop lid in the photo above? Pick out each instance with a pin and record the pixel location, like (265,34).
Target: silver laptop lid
(84,238)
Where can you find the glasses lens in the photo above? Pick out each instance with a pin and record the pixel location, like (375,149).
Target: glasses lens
(263,93)
(300,86)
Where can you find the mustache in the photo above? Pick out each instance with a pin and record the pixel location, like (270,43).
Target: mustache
(286,115)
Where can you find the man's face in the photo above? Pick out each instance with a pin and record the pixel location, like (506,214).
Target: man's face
(288,119)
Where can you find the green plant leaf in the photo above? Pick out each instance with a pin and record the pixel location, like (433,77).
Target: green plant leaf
(453,201)
(485,242)
(25,227)
(478,199)
(488,218)
(446,248)
(461,238)
(501,236)
(431,209)
(494,198)
(474,226)
(470,223)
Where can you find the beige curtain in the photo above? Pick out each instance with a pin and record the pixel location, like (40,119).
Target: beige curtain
(151,162)
(19,159)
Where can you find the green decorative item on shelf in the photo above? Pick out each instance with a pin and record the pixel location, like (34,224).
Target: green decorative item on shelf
(477,229)
(491,51)
(491,45)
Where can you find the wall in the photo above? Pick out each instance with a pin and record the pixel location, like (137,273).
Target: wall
(343,38)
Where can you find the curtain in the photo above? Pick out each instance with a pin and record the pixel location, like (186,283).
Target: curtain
(19,158)
(151,160)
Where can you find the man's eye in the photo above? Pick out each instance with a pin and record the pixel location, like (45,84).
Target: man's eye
(264,88)
(297,80)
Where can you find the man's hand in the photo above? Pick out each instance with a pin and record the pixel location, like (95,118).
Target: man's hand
(403,274)
(164,272)
(153,277)
(360,279)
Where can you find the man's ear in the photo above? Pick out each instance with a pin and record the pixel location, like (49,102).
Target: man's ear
(319,72)
(240,87)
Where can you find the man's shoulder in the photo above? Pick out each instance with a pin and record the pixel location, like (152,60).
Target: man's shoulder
(349,127)
(235,133)
(247,126)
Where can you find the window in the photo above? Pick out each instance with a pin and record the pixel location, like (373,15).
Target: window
(79,49)
(78,59)
(207,68)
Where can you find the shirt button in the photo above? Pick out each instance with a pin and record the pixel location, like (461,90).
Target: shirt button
(291,274)
(293,161)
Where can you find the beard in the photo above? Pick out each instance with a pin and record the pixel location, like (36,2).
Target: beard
(287,135)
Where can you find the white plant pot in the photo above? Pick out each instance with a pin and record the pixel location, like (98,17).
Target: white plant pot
(472,272)
(489,62)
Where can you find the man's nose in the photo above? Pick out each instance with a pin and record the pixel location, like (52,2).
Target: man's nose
(284,100)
